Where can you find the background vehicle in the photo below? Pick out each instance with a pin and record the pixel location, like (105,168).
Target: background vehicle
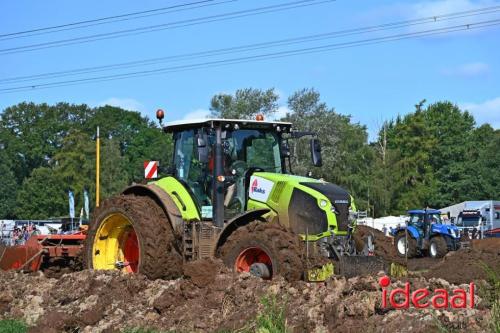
(425,234)
(231,195)
(476,219)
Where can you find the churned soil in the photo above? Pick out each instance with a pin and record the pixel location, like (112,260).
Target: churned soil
(384,246)
(91,301)
(468,264)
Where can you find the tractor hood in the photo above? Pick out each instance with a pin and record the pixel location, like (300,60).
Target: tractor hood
(445,229)
(311,206)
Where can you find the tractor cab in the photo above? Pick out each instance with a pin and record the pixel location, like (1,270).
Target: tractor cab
(215,159)
(424,220)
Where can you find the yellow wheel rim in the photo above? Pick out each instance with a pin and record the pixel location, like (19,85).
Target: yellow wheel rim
(116,245)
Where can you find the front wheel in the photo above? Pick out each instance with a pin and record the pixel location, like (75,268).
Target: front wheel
(438,247)
(265,250)
(403,246)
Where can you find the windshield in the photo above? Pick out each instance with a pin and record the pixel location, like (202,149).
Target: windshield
(419,218)
(468,222)
(252,149)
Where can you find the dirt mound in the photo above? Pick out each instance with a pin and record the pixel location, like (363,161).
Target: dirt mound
(383,245)
(466,265)
(203,272)
(487,245)
(90,301)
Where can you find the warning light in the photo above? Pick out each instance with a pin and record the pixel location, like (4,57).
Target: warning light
(160,115)
(259,117)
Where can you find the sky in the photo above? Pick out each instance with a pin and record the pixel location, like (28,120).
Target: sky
(372,83)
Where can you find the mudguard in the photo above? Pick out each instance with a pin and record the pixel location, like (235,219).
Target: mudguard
(165,201)
(239,221)
(412,231)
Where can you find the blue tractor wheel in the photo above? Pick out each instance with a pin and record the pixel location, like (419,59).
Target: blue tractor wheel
(438,247)
(405,246)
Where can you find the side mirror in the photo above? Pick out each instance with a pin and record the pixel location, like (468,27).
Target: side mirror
(202,150)
(316,152)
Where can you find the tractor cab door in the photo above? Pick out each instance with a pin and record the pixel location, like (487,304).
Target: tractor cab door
(246,151)
(417,220)
(190,170)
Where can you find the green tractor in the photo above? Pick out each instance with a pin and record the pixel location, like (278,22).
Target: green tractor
(231,195)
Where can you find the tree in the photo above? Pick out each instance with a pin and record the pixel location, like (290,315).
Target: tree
(8,186)
(439,158)
(32,133)
(245,104)
(42,195)
(346,154)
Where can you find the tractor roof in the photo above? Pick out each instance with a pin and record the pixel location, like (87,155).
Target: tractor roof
(180,125)
(423,211)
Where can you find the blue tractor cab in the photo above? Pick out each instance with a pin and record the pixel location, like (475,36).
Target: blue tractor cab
(425,234)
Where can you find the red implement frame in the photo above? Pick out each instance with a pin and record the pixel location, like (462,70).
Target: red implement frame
(39,248)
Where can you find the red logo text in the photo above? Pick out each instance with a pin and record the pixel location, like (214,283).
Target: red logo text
(400,298)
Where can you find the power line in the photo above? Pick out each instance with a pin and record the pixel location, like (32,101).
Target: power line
(257,46)
(275,55)
(164,26)
(107,18)
(111,19)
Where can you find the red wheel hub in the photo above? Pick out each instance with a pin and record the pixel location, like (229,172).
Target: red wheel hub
(250,256)
(131,252)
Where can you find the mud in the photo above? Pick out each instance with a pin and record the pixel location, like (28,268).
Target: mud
(468,264)
(384,246)
(90,301)
(203,272)
(209,298)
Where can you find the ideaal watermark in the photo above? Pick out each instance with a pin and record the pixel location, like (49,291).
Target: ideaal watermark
(423,297)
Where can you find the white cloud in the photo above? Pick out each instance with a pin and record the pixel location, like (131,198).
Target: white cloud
(124,103)
(468,70)
(411,10)
(485,112)
(436,8)
(280,113)
(197,114)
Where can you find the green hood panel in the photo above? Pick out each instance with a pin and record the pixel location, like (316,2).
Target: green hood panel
(281,201)
(279,177)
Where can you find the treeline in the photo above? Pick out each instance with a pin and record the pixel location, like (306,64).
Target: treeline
(47,150)
(433,156)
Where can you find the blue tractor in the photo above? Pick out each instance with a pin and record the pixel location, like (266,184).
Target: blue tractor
(425,234)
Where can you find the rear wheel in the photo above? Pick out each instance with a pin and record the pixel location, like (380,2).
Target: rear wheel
(265,250)
(133,234)
(405,244)
(438,247)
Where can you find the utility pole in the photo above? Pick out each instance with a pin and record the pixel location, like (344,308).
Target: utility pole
(97,166)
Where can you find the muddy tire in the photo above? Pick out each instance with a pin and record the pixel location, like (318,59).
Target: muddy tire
(411,247)
(156,254)
(281,249)
(438,247)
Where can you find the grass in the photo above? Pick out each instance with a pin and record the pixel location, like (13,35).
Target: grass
(12,326)
(491,294)
(273,318)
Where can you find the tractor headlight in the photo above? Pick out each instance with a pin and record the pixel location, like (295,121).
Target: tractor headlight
(323,203)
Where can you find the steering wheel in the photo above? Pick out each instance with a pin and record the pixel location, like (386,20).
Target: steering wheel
(238,167)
